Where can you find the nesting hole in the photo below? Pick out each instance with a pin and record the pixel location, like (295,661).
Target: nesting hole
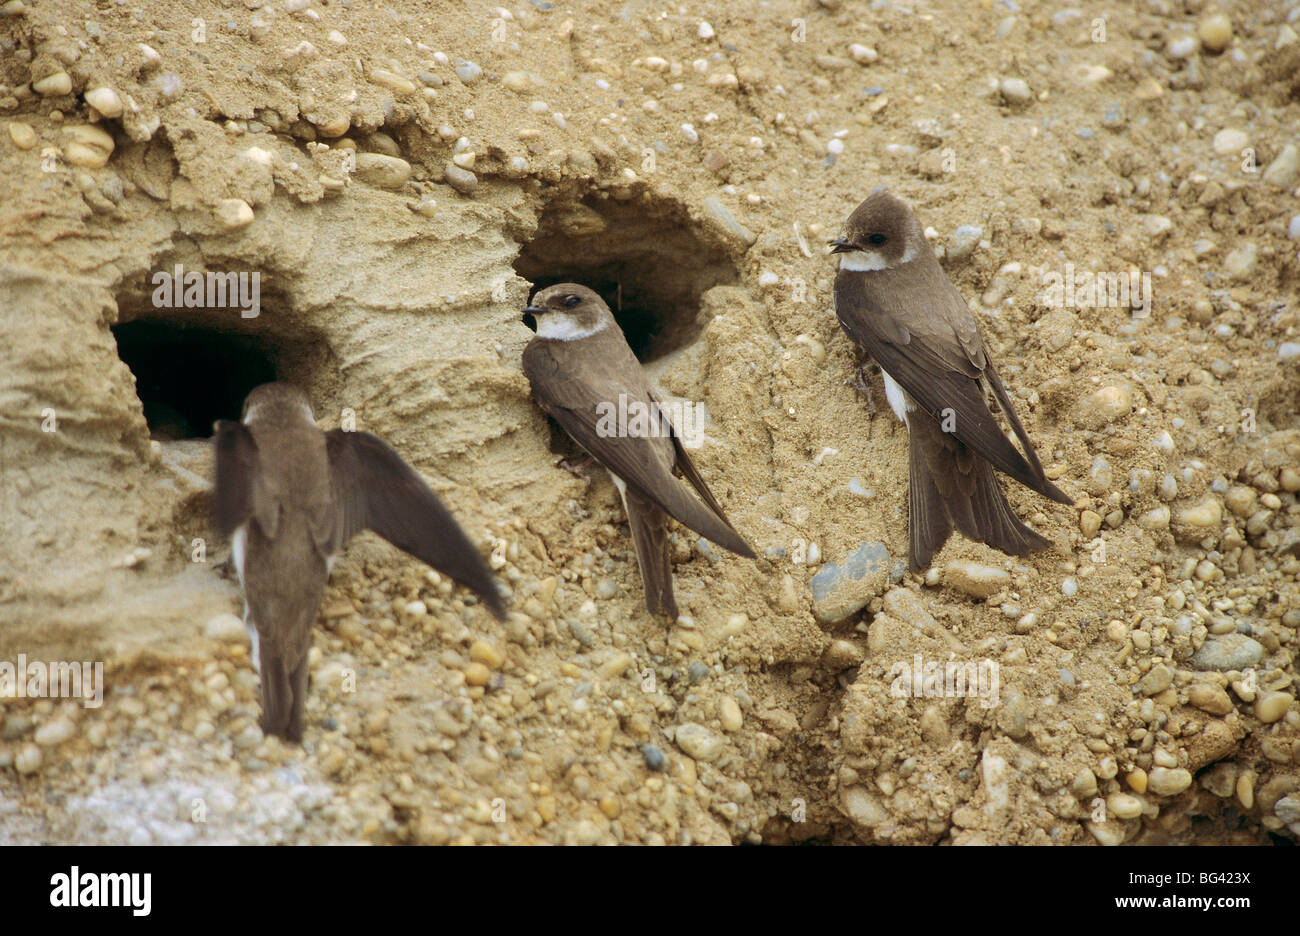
(188,377)
(643,255)
(195,365)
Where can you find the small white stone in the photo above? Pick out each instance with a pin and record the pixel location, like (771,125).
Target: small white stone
(55,732)
(106,101)
(234,213)
(863,55)
(706,30)
(1230,142)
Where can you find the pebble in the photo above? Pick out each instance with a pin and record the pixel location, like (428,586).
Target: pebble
(862,806)
(476,674)
(1230,142)
(1227,652)
(1210,698)
(485,653)
(1157,680)
(55,732)
(1241,500)
(462,180)
(106,101)
(1109,834)
(234,213)
(1283,171)
(226,628)
(1069,586)
(723,220)
(964,240)
(1268,708)
(699,742)
(863,55)
(55,85)
(1015,90)
(24,136)
(1240,263)
(1182,46)
(729,714)
(1288,350)
(1107,405)
(87,146)
(1292,230)
(518,81)
(1137,780)
(1288,808)
(1215,32)
(1155,520)
(28,759)
(392,81)
(975,579)
(654,758)
(468,72)
(1124,805)
(840,589)
(1206,515)
(1165,781)
(381,171)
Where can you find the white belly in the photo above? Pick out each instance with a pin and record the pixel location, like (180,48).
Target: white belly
(238,545)
(899,401)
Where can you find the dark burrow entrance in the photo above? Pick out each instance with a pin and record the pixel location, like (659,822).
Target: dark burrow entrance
(189,376)
(643,255)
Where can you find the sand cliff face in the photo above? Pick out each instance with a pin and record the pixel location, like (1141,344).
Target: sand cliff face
(401,181)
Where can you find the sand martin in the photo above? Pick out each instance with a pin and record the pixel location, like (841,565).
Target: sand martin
(894,300)
(579,365)
(290,497)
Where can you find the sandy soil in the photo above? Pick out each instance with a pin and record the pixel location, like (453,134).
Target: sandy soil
(402,180)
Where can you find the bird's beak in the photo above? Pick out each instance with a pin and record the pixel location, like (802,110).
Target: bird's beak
(530,317)
(840,245)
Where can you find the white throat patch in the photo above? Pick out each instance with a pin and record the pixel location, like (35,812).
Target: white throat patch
(562,327)
(862,261)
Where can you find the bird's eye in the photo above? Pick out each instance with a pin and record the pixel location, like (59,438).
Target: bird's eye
(875,240)
(571,301)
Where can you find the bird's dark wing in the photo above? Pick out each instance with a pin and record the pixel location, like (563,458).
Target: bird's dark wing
(377,490)
(938,360)
(239,492)
(572,395)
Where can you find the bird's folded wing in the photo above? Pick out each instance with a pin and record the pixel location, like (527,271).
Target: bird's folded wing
(377,490)
(938,375)
(643,462)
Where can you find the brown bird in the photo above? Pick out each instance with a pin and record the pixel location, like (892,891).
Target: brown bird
(290,497)
(894,300)
(579,365)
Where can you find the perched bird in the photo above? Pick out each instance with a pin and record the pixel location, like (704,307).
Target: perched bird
(894,300)
(581,360)
(290,497)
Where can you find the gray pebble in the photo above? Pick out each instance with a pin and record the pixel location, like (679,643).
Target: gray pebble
(462,180)
(654,758)
(697,672)
(1225,652)
(468,72)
